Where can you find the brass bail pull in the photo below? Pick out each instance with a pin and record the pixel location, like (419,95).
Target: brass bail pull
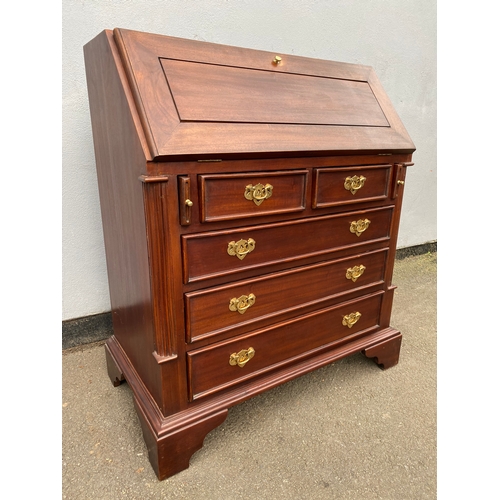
(358,227)
(350,320)
(241,358)
(353,273)
(241,248)
(241,304)
(354,184)
(258,193)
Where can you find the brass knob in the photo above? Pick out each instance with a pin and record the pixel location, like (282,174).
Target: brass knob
(277,60)
(401,183)
(189,203)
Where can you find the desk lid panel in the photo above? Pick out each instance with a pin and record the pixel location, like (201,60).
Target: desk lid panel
(197,98)
(215,93)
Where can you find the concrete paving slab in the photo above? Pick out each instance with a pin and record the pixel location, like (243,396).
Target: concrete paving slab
(347,431)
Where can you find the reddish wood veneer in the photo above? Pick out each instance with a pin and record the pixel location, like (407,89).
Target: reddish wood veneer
(184,133)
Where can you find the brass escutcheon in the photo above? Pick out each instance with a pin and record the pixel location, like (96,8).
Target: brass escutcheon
(241,248)
(353,273)
(258,193)
(241,304)
(359,226)
(241,358)
(354,183)
(350,319)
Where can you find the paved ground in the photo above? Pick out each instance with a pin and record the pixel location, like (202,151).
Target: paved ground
(346,431)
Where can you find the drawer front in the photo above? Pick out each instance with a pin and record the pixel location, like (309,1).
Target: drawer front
(207,255)
(238,305)
(222,365)
(336,186)
(236,196)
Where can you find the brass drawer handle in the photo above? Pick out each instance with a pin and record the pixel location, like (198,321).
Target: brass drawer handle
(353,273)
(241,248)
(359,226)
(277,60)
(258,193)
(353,184)
(241,358)
(351,319)
(241,304)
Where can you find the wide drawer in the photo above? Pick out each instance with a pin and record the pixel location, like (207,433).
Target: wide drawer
(340,186)
(236,196)
(222,365)
(208,255)
(239,305)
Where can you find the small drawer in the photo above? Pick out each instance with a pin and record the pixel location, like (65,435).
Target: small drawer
(236,196)
(222,365)
(221,253)
(239,305)
(340,186)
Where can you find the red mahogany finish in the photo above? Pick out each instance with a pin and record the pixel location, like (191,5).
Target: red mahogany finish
(250,205)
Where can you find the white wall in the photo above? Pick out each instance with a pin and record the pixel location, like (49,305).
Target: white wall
(396,37)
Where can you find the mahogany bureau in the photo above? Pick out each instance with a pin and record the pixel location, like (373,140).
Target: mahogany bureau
(250,205)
